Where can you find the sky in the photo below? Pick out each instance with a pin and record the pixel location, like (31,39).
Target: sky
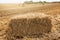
(21,1)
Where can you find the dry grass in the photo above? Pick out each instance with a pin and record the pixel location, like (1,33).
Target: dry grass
(33,27)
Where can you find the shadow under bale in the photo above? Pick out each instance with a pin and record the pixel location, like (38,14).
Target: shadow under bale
(32,27)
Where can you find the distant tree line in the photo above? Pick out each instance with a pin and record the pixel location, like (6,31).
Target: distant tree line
(31,2)
(55,2)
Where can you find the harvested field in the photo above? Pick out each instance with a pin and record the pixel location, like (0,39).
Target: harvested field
(50,9)
(41,22)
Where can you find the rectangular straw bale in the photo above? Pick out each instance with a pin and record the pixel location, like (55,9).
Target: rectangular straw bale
(30,27)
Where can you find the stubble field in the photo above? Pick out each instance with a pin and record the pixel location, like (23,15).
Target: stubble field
(18,12)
